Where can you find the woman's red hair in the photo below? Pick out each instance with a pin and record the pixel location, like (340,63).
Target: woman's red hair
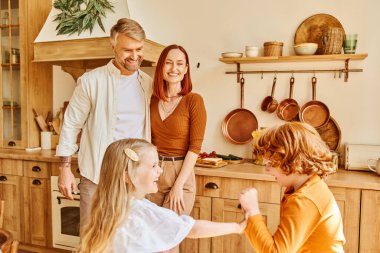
(159,84)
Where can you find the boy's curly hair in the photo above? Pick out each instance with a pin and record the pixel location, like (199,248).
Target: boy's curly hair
(295,147)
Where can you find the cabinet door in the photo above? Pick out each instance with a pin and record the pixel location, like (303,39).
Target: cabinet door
(370,222)
(36,211)
(228,210)
(348,201)
(10,192)
(201,211)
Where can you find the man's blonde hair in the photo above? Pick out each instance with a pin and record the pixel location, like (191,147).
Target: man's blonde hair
(295,147)
(127,27)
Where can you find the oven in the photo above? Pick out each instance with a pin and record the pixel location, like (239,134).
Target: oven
(65,218)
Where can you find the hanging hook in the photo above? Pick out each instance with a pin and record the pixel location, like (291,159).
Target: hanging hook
(275,74)
(313,73)
(262,75)
(334,74)
(292,75)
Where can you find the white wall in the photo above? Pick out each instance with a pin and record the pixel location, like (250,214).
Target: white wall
(208,27)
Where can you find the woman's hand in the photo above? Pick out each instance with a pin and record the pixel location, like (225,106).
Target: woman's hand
(176,202)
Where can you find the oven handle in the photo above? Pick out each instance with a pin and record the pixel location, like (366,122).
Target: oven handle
(59,198)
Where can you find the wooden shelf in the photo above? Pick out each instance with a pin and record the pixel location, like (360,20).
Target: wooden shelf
(9,26)
(15,66)
(294,58)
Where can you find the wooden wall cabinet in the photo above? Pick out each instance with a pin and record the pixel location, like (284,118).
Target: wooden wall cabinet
(22,82)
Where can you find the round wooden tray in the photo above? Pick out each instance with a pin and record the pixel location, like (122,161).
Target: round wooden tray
(310,30)
(331,134)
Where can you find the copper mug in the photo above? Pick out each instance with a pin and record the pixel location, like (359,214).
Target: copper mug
(374,165)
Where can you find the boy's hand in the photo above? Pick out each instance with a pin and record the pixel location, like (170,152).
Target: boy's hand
(249,202)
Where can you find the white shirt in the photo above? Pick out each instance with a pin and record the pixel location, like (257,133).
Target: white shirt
(130,116)
(150,228)
(93,109)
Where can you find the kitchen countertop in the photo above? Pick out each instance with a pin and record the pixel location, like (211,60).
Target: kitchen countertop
(343,178)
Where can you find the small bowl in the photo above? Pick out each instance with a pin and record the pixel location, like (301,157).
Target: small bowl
(232,55)
(306,48)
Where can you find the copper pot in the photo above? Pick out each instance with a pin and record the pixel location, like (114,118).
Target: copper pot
(288,109)
(314,112)
(238,125)
(270,104)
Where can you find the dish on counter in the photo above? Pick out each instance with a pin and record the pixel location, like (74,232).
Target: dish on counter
(232,55)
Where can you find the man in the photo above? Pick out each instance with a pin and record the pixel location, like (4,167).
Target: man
(109,103)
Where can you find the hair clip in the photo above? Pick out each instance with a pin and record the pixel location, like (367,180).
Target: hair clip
(131,154)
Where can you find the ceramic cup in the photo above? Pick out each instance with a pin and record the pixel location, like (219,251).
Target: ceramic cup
(349,43)
(251,51)
(46,140)
(374,165)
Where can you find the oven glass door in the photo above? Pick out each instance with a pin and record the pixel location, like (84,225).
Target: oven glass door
(66,219)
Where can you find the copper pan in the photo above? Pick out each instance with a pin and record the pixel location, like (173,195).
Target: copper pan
(270,104)
(288,109)
(314,112)
(331,134)
(239,124)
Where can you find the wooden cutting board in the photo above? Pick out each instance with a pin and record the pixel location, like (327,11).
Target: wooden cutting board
(310,30)
(220,164)
(331,134)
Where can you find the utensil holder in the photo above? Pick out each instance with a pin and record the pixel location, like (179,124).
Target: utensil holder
(273,48)
(331,41)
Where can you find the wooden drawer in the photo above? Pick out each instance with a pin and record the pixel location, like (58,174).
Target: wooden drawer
(11,167)
(36,169)
(230,188)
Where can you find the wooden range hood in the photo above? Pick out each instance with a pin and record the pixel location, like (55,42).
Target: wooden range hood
(75,56)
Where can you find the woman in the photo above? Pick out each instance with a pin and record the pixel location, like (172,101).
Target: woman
(178,119)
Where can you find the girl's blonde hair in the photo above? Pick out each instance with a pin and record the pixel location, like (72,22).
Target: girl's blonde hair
(295,148)
(112,196)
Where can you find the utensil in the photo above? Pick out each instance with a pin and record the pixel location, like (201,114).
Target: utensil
(288,109)
(331,134)
(310,30)
(270,104)
(40,121)
(238,125)
(314,112)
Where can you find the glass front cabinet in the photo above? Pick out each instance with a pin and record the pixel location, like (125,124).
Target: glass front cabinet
(10,88)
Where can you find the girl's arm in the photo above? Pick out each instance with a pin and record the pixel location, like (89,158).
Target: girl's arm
(204,228)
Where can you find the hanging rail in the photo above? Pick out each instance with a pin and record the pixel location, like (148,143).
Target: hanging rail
(346,70)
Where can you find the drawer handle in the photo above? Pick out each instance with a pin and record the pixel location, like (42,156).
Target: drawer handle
(239,206)
(36,169)
(211,185)
(78,171)
(3,178)
(36,182)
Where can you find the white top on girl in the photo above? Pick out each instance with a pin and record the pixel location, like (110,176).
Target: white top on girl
(150,228)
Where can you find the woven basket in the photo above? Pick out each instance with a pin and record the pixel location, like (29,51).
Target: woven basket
(331,41)
(273,48)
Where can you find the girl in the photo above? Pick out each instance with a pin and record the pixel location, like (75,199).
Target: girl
(310,219)
(123,221)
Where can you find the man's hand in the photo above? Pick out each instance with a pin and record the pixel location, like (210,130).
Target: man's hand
(66,181)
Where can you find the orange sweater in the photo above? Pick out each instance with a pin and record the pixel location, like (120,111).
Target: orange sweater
(310,221)
(181,131)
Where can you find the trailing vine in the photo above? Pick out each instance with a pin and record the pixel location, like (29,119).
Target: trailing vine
(80,15)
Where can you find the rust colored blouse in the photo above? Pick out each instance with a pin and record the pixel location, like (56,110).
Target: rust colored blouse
(181,131)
